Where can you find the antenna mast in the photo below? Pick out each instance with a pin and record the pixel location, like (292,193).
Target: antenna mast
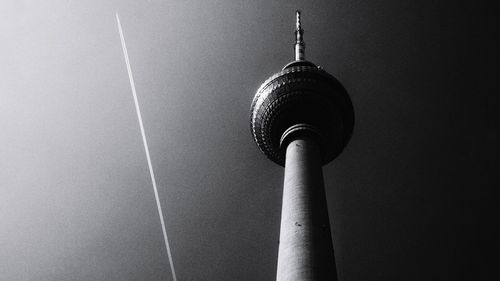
(300,46)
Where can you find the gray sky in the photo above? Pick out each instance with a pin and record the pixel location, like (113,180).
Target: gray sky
(409,199)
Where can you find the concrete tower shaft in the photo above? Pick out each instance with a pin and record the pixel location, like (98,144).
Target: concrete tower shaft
(305,249)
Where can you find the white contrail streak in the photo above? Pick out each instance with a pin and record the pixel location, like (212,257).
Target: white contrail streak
(132,85)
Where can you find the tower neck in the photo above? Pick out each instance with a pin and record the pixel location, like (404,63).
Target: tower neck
(300,46)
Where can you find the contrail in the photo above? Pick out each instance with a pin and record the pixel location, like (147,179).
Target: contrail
(132,85)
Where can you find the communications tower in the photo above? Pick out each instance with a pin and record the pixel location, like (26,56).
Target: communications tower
(302,118)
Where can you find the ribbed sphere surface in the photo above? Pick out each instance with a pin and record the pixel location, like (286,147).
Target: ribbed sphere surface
(301,93)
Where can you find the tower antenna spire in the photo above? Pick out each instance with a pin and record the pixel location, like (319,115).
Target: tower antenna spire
(300,46)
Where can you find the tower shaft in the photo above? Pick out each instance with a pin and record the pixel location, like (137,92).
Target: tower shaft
(305,249)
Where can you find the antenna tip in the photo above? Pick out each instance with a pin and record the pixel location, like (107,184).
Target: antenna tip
(297,24)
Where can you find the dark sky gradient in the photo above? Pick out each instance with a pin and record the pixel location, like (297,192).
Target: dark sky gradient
(410,198)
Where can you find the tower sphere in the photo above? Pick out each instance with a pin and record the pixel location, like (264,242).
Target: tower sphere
(301,98)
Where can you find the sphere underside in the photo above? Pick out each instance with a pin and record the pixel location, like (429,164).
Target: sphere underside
(301,94)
